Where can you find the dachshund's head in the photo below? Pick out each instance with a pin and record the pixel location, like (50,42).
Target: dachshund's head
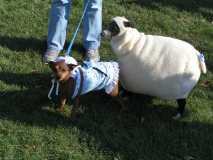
(62,67)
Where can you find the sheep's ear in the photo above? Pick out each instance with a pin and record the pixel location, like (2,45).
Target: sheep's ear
(128,24)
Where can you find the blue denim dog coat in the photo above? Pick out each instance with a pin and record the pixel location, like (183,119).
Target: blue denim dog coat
(96,76)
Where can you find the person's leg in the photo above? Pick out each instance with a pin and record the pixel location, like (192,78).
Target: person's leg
(92,27)
(58,20)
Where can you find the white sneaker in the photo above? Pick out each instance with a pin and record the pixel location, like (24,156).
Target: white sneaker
(50,56)
(177,116)
(92,55)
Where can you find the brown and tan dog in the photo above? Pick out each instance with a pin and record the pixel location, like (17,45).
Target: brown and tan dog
(63,73)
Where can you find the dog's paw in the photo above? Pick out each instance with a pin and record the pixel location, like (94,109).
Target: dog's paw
(61,109)
(81,110)
(75,113)
(74,116)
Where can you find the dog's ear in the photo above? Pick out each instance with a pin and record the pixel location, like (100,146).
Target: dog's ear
(128,24)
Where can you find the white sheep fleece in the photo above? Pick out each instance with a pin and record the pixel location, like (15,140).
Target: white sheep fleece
(155,65)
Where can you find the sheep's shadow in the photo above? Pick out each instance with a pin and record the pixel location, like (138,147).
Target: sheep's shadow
(123,136)
(189,6)
(119,133)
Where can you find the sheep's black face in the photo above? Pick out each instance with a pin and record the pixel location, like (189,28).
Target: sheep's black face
(114,28)
(117,25)
(111,31)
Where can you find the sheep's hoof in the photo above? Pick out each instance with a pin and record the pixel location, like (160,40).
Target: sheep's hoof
(142,120)
(177,116)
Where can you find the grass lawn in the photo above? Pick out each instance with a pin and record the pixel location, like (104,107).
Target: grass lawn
(29,132)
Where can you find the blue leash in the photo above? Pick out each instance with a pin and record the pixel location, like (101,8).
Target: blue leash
(68,52)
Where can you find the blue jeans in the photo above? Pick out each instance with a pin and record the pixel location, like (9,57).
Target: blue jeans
(58,20)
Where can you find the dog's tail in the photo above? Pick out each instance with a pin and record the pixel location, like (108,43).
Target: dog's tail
(202,63)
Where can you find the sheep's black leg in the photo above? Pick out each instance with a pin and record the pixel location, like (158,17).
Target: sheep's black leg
(181,105)
(181,108)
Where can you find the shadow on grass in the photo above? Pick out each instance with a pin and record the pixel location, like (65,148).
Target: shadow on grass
(33,90)
(209,65)
(20,44)
(157,137)
(204,7)
(30,80)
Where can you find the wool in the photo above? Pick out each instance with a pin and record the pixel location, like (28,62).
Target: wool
(155,65)
(97,76)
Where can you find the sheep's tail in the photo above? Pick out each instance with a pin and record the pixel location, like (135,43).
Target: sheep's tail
(202,63)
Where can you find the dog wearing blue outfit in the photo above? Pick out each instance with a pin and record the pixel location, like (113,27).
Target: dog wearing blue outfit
(75,80)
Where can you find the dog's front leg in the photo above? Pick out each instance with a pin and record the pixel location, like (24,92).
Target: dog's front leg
(118,98)
(61,104)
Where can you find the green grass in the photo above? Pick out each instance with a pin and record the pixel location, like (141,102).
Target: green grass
(28,132)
